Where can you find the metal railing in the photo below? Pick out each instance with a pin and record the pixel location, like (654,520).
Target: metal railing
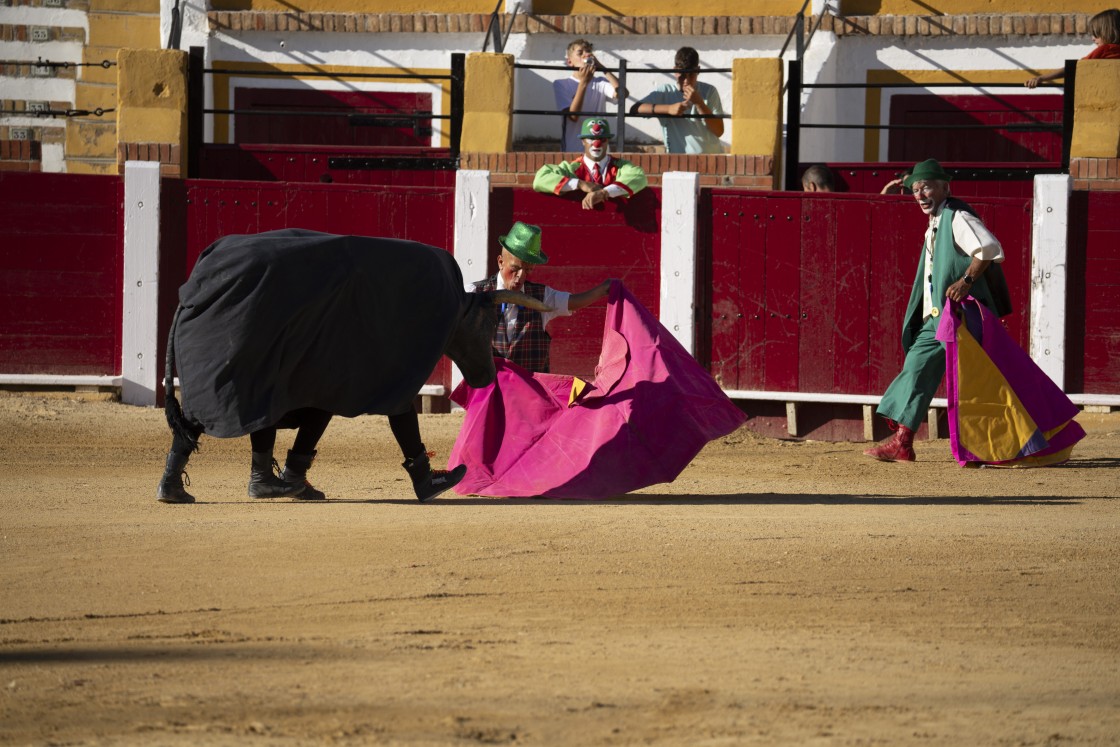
(621,72)
(494,28)
(197,110)
(48,112)
(798,32)
(794,125)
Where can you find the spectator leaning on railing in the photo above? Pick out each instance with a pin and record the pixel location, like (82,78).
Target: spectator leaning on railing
(1104,27)
(687,96)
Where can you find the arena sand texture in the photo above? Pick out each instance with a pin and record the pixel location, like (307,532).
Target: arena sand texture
(776,593)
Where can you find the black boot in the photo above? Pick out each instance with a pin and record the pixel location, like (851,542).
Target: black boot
(171,488)
(427,482)
(295,474)
(265,480)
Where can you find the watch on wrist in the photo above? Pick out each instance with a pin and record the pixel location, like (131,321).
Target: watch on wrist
(968,279)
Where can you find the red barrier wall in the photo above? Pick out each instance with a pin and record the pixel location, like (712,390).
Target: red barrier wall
(294,163)
(808,292)
(986,180)
(61,268)
(220,208)
(800,293)
(1093,313)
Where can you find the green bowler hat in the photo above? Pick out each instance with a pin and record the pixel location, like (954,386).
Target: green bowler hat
(924,171)
(524,242)
(595,128)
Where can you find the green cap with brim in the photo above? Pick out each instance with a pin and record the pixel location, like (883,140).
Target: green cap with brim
(524,242)
(925,171)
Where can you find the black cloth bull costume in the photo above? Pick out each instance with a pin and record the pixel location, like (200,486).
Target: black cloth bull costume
(288,328)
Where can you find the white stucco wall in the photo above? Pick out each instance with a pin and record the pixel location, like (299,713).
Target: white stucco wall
(828,60)
(852,58)
(378,53)
(46,89)
(532,88)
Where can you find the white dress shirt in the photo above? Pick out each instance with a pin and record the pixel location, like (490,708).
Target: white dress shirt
(558,300)
(970,236)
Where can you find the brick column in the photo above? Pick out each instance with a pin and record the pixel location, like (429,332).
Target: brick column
(1096,119)
(488,104)
(152,108)
(756,123)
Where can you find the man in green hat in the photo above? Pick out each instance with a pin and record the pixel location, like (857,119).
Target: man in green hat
(959,258)
(598,174)
(521,335)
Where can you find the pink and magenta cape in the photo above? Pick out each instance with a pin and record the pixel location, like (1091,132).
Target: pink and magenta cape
(1003,409)
(648,411)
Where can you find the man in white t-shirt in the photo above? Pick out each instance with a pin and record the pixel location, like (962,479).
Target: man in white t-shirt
(583,91)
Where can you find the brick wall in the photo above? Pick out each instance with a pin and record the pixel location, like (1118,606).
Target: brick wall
(972,24)
(1094,174)
(518,169)
(20,155)
(975,24)
(169,157)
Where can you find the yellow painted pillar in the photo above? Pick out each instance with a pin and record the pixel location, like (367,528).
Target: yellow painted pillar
(1096,116)
(756,122)
(488,104)
(152,108)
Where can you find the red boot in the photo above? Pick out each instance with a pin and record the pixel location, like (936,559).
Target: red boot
(899,448)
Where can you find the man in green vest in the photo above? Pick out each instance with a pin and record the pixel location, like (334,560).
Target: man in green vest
(960,258)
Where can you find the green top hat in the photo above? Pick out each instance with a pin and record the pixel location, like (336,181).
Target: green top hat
(924,171)
(596,128)
(524,242)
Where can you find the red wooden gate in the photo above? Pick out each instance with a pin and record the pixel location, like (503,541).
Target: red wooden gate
(1005,141)
(314,117)
(60,274)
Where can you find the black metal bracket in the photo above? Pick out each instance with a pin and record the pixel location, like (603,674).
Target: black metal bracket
(393,163)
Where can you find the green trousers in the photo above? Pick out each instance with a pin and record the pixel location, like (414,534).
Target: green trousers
(907,399)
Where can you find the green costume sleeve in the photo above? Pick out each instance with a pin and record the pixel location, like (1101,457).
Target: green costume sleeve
(550,178)
(630,176)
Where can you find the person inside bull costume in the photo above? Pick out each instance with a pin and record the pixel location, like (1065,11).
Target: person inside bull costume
(521,335)
(286,329)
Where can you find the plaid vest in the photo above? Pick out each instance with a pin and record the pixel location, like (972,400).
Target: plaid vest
(527,344)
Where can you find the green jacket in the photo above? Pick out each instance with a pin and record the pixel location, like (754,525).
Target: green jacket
(550,178)
(950,265)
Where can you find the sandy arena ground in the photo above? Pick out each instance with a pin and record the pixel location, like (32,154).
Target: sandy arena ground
(778,593)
